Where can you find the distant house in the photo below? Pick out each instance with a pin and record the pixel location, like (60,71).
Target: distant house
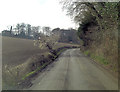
(6,33)
(67,36)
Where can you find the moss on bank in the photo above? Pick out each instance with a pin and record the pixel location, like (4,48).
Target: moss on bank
(100,59)
(44,65)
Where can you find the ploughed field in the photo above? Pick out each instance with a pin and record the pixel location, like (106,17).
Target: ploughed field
(16,51)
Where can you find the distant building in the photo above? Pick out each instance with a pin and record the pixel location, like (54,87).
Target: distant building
(6,33)
(67,36)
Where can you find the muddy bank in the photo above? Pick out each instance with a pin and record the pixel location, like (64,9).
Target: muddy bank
(37,67)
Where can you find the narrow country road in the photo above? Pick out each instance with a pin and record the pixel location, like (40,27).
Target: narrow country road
(74,71)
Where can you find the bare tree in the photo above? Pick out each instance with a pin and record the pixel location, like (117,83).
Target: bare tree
(22,27)
(18,28)
(28,29)
(46,30)
(77,9)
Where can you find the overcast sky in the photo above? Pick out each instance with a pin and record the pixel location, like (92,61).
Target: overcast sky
(35,12)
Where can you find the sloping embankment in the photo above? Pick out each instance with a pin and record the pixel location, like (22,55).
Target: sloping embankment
(19,75)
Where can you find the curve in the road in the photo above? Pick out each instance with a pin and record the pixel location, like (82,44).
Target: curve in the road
(73,71)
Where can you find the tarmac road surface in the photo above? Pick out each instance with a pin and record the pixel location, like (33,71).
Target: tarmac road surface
(74,71)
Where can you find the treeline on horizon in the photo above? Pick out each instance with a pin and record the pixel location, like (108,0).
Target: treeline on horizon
(28,31)
(23,30)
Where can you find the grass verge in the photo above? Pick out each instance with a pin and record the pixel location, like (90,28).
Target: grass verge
(100,59)
(44,65)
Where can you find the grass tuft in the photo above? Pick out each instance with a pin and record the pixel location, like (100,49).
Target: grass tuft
(27,75)
(100,59)
(87,52)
